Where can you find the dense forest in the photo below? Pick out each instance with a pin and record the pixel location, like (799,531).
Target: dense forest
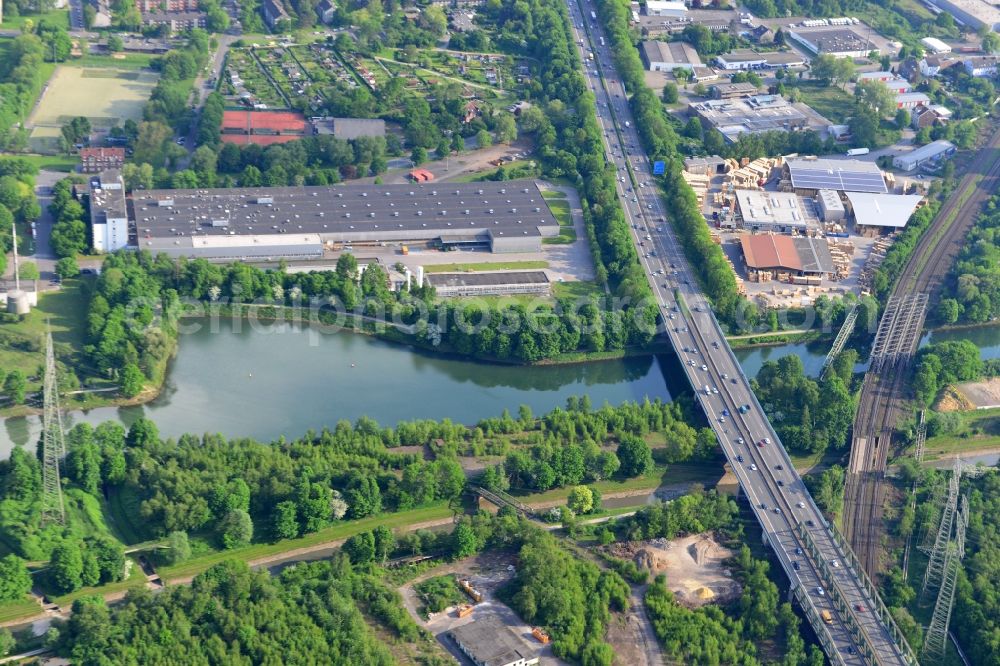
(944,363)
(311,613)
(974,281)
(976,621)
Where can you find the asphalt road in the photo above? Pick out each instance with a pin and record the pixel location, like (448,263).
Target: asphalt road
(780,500)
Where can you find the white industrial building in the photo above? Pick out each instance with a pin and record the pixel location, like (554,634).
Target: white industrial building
(831,208)
(935,45)
(108,212)
(840,42)
(665,8)
(489,642)
(911,100)
(773,211)
(932,152)
(882,211)
(973,13)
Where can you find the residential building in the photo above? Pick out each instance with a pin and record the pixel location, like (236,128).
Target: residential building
(325,10)
(984,66)
(150,6)
(928,116)
(95,160)
(668,56)
(762,35)
(930,154)
(273,12)
(175,21)
(909,69)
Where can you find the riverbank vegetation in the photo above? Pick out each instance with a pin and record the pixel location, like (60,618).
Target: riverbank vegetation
(973,286)
(944,363)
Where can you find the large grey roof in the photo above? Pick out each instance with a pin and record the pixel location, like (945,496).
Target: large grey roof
(487,279)
(498,209)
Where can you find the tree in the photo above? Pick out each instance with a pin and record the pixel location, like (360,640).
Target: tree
(236,529)
(483,139)
(875,97)
(581,500)
(284,522)
(506,128)
(991,42)
(15,385)
(670,93)
(66,567)
(634,455)
(115,43)
(69,238)
(132,380)
(902,118)
(180,547)
(385,543)
(67,268)
(864,128)
(463,541)
(15,580)
(418,156)
(360,548)
(29,270)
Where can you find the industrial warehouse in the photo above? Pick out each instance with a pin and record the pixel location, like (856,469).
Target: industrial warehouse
(301,222)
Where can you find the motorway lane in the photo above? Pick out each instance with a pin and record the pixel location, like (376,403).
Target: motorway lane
(715,366)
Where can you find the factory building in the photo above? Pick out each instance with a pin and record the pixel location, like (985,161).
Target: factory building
(879,212)
(808,175)
(665,8)
(300,222)
(732,90)
(800,255)
(489,642)
(758,210)
(911,100)
(974,13)
(930,154)
(743,59)
(751,115)
(840,42)
(831,208)
(108,212)
(668,56)
(935,45)
(505,283)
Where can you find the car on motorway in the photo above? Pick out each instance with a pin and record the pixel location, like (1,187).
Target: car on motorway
(801,505)
(798,550)
(725,411)
(779,467)
(753,468)
(722,419)
(810,523)
(733,380)
(767,440)
(739,458)
(820,592)
(796,565)
(860,608)
(763,506)
(704,368)
(777,510)
(781,483)
(741,440)
(760,443)
(835,564)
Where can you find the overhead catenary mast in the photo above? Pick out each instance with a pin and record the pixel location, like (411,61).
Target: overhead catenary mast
(53,443)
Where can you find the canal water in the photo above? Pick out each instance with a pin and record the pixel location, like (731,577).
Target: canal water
(282,379)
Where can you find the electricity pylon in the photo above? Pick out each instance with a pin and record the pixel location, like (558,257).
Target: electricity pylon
(53,442)
(935,641)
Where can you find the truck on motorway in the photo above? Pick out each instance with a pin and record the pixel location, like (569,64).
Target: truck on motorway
(602,41)
(827,617)
(857,151)
(593,15)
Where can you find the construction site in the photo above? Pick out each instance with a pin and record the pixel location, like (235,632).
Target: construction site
(695,566)
(795,228)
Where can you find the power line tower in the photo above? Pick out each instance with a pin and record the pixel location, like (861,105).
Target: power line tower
(935,642)
(939,554)
(53,442)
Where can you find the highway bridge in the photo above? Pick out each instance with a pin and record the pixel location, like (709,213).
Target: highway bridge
(823,573)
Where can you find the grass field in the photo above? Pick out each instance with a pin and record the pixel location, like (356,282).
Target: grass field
(58,17)
(65,311)
(980,429)
(561,211)
(12,610)
(487,266)
(105,96)
(831,102)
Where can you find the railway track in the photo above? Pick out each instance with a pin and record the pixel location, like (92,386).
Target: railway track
(885,394)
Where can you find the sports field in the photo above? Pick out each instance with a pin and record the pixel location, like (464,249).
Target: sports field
(105,96)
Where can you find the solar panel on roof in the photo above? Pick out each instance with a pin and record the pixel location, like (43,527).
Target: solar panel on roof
(836,179)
